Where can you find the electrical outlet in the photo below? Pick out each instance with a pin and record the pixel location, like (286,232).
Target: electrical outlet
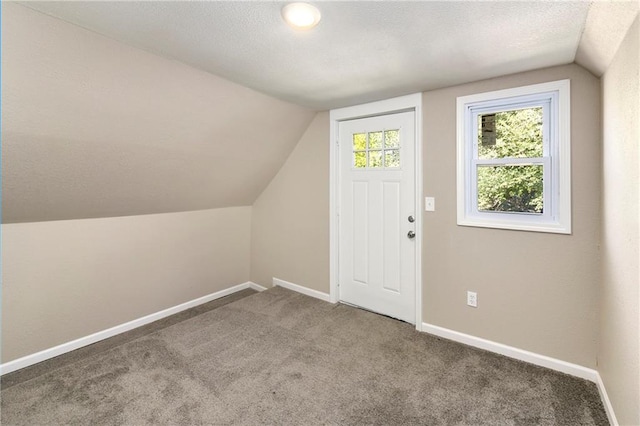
(472,299)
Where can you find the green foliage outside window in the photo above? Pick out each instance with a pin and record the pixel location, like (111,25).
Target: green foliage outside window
(511,188)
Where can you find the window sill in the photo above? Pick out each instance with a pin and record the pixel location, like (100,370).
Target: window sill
(547,227)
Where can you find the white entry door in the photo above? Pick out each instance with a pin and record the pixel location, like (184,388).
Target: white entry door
(377,214)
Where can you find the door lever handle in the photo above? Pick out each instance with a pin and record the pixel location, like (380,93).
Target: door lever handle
(411,234)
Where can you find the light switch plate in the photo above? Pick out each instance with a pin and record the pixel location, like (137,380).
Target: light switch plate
(429,204)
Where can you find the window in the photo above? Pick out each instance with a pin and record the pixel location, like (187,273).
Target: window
(377,150)
(514,159)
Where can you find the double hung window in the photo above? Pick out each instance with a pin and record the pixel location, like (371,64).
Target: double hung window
(514,155)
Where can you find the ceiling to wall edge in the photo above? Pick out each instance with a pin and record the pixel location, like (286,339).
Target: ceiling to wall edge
(604,30)
(167,57)
(612,30)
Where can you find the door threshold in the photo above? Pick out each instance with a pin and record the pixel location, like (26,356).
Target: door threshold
(342,302)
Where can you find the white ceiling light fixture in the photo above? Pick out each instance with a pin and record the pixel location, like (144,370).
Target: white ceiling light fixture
(301,16)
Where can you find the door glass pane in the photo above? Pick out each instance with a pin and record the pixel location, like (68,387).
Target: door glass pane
(375,159)
(516,133)
(392,158)
(510,188)
(369,149)
(359,141)
(375,140)
(392,139)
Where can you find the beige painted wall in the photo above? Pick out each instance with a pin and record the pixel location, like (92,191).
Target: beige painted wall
(94,128)
(536,291)
(62,280)
(290,219)
(619,337)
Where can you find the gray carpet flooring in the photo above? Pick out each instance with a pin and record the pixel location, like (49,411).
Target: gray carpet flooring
(278,357)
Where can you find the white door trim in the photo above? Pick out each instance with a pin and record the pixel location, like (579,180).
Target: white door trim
(403,103)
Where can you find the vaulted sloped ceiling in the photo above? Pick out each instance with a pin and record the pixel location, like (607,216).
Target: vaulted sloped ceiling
(149,109)
(94,128)
(606,26)
(360,51)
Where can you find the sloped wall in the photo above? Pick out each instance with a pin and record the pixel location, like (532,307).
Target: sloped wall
(619,321)
(94,128)
(107,151)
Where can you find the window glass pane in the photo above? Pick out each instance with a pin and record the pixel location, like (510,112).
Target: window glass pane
(392,158)
(516,133)
(375,140)
(359,141)
(392,139)
(375,158)
(510,188)
(360,159)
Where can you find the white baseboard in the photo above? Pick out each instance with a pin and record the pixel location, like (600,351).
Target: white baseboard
(511,352)
(606,401)
(104,334)
(304,290)
(256,287)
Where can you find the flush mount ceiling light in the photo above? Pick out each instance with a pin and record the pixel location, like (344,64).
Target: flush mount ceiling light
(301,16)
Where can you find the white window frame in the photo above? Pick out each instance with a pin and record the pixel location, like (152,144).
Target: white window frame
(554,98)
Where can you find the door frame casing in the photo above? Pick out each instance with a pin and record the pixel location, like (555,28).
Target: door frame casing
(406,103)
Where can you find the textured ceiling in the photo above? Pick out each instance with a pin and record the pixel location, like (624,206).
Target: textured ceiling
(360,51)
